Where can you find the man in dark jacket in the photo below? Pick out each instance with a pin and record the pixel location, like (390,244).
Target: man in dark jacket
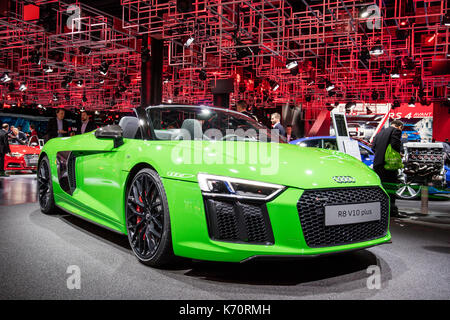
(85,125)
(4,148)
(388,136)
(275,119)
(57,127)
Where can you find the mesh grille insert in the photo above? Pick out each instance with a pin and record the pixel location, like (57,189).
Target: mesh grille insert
(311,209)
(237,221)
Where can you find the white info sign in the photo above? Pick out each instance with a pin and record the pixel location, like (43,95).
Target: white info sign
(344,142)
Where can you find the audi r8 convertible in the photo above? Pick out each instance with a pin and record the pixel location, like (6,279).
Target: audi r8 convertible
(212,184)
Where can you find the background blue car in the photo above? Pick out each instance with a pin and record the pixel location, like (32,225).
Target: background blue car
(329,142)
(410,130)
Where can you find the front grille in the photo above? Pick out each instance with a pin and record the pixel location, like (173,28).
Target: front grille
(311,209)
(31,160)
(236,221)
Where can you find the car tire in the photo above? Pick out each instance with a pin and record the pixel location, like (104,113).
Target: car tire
(45,187)
(147,216)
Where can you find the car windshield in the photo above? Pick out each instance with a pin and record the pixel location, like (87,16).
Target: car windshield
(205,123)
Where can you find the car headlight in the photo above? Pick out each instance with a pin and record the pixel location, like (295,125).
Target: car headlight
(16,155)
(222,186)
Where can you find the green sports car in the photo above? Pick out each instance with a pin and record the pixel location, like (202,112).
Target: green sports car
(212,184)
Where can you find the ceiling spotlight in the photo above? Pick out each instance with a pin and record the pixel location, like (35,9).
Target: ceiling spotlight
(22,87)
(202,74)
(446,20)
(103,69)
(412,102)
(329,86)
(55,97)
(39,106)
(101,81)
(97,112)
(242,53)
(189,41)
(395,74)
(377,49)
(47,69)
(364,13)
(5,77)
(35,57)
(274,85)
(291,65)
(79,83)
(85,50)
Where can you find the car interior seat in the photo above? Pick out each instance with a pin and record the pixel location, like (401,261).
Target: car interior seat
(194,128)
(130,127)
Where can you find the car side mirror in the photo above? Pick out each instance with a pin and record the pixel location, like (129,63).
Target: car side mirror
(113,131)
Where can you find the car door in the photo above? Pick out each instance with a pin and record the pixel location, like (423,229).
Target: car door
(89,174)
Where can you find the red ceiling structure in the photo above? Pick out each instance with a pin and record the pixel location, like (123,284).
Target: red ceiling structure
(250,42)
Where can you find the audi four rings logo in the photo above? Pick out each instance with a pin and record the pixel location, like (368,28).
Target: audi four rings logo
(344,179)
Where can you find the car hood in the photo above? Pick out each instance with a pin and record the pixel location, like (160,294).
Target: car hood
(24,149)
(278,163)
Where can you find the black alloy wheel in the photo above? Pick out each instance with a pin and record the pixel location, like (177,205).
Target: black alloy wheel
(147,219)
(44,187)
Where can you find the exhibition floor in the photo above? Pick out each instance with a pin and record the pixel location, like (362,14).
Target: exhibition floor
(36,251)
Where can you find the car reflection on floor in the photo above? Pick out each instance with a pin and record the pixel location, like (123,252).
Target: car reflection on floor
(17,189)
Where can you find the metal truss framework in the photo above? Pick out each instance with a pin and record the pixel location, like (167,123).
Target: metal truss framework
(248,41)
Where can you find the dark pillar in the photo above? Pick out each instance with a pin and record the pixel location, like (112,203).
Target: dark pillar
(157,71)
(151,72)
(222,100)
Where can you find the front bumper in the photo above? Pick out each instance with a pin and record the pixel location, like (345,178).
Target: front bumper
(15,164)
(191,237)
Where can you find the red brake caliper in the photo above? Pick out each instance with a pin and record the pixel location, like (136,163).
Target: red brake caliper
(138,209)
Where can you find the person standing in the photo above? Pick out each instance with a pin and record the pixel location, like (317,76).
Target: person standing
(57,127)
(242,107)
(387,136)
(34,138)
(289,136)
(86,125)
(275,119)
(4,148)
